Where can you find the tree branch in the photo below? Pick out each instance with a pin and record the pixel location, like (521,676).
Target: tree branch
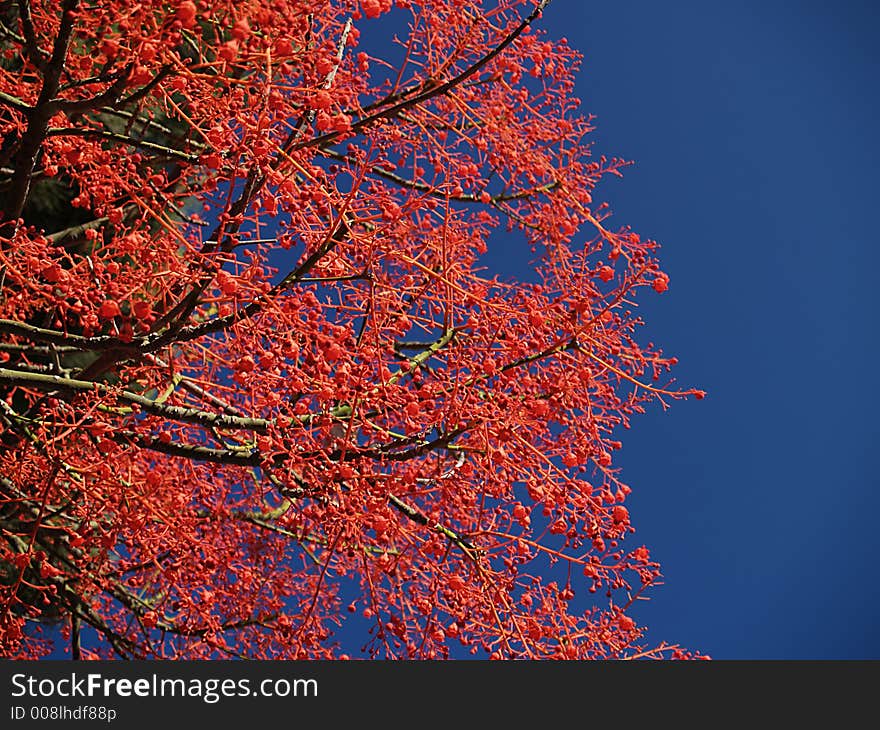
(433,191)
(78,342)
(32,49)
(438,90)
(420,518)
(164,72)
(14,102)
(53,383)
(109,96)
(38,119)
(115,137)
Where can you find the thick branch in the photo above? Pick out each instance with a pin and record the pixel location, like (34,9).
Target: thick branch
(231,457)
(34,54)
(14,102)
(53,383)
(114,137)
(109,96)
(38,119)
(78,342)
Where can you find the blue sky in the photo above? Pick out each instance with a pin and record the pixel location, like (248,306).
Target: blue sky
(753,129)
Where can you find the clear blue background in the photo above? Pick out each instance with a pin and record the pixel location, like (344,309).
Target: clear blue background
(754,128)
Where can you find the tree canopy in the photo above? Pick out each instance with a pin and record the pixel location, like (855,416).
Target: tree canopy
(262,393)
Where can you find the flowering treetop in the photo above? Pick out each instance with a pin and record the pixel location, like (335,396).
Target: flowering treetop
(262,396)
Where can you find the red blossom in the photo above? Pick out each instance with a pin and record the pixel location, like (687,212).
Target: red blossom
(186,13)
(142,309)
(375,8)
(109,309)
(241,29)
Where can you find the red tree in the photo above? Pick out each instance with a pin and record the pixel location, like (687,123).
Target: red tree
(257,384)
